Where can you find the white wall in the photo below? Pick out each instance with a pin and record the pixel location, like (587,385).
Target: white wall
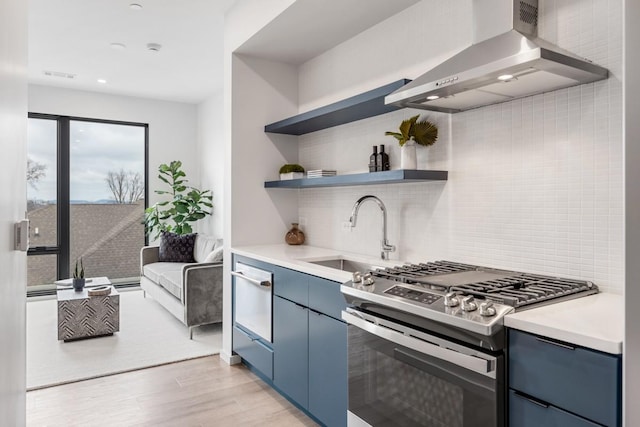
(535,184)
(249,85)
(246,18)
(211,155)
(13,128)
(173,126)
(632,206)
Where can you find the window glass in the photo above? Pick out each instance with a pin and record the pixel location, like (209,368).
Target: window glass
(107,197)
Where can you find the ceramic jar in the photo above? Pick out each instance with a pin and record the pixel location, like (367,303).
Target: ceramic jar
(294,236)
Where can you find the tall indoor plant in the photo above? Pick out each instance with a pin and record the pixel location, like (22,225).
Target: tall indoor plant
(413,132)
(187,205)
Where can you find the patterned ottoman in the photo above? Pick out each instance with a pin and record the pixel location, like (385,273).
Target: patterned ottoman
(82,316)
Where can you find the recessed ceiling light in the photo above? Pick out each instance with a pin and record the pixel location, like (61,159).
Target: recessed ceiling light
(135,6)
(505,77)
(432,97)
(102,81)
(154,47)
(118,46)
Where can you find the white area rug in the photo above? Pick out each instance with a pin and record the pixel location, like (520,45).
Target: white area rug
(148,336)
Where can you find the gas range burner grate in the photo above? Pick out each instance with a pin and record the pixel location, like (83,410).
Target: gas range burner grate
(524,289)
(414,273)
(505,287)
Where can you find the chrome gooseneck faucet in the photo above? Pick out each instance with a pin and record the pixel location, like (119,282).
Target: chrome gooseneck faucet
(385,247)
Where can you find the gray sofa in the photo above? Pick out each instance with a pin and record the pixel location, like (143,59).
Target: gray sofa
(192,292)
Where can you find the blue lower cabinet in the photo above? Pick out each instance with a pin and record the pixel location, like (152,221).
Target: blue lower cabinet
(291,351)
(528,412)
(307,361)
(253,351)
(328,369)
(573,378)
(325,297)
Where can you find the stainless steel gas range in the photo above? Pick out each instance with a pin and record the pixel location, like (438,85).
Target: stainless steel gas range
(427,343)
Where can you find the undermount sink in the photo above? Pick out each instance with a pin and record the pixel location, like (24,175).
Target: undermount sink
(346,264)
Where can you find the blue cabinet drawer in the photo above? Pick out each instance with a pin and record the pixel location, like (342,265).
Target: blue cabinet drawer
(325,297)
(291,285)
(576,379)
(253,351)
(526,412)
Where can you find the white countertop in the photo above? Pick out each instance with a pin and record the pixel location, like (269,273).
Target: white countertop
(298,257)
(595,321)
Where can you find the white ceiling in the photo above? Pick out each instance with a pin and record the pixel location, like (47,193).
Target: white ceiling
(74,36)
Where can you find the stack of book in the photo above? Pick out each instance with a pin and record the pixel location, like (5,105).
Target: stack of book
(320,173)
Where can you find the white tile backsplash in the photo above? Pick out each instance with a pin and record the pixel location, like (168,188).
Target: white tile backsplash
(535,184)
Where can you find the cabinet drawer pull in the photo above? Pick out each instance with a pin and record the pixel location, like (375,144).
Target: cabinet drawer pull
(532,400)
(557,344)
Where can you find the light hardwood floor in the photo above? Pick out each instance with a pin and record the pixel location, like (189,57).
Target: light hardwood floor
(199,392)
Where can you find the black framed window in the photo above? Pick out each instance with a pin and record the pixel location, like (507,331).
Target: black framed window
(86,196)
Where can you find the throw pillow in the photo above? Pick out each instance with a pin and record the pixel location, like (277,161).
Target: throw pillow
(204,245)
(215,255)
(176,247)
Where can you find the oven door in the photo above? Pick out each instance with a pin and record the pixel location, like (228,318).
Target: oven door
(399,376)
(252,299)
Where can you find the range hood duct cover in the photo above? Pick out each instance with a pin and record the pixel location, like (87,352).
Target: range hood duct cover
(470,79)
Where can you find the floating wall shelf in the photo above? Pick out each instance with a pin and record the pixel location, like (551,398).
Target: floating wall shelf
(357,107)
(386,177)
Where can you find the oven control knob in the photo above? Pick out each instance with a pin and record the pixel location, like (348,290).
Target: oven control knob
(487,309)
(367,279)
(451,300)
(469,303)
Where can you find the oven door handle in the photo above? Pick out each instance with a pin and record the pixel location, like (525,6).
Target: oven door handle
(478,385)
(263,283)
(482,366)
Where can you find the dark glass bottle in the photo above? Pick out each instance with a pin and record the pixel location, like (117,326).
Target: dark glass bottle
(383,160)
(373,160)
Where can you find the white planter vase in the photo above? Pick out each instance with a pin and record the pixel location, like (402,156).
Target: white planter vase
(291,175)
(408,159)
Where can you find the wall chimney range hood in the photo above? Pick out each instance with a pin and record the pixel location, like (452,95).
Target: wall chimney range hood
(507,61)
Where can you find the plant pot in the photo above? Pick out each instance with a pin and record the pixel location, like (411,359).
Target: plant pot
(78,283)
(408,158)
(291,175)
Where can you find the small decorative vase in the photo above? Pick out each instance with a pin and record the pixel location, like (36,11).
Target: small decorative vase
(408,159)
(78,283)
(295,236)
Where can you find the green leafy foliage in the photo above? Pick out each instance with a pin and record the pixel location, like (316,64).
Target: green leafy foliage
(78,272)
(422,132)
(187,205)
(293,167)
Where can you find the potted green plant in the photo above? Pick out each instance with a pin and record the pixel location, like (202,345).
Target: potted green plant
(187,205)
(413,132)
(78,276)
(291,171)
